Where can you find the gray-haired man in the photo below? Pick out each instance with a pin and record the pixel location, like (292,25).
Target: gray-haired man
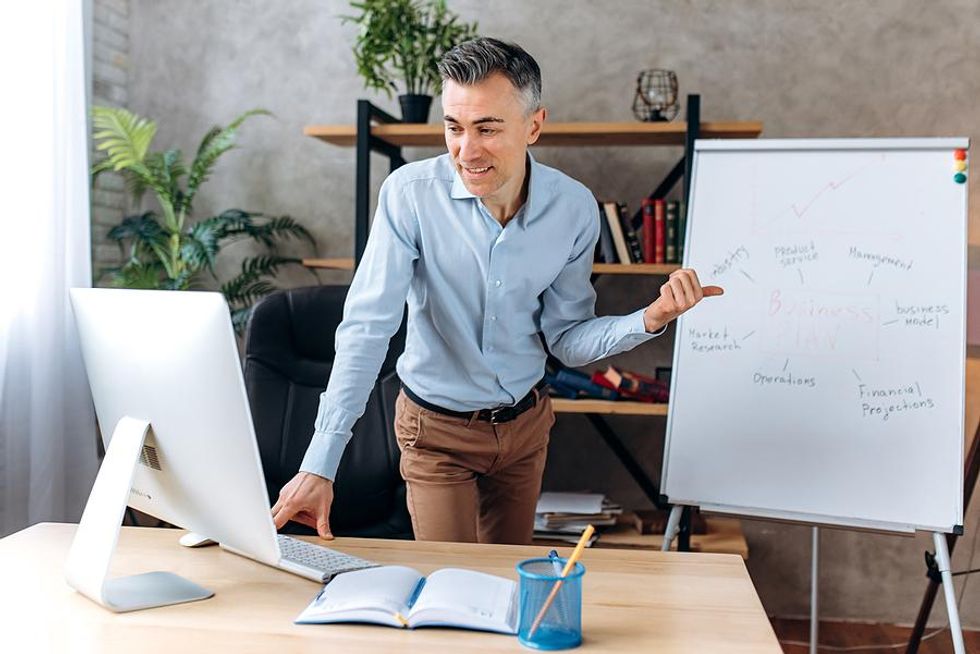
(489,248)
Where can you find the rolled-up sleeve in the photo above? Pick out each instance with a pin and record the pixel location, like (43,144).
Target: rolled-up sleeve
(573,332)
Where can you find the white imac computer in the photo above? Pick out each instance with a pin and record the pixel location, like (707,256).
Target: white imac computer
(170,398)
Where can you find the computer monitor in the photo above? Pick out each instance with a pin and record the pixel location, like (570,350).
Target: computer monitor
(166,378)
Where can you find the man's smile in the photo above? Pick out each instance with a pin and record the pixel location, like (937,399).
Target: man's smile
(477,172)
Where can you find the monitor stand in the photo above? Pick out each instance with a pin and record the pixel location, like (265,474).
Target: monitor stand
(87,569)
(190,539)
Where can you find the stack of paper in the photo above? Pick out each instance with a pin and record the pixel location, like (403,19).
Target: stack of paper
(564,516)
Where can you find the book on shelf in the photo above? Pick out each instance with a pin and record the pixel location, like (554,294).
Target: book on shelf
(646,209)
(573,523)
(659,232)
(670,233)
(599,378)
(583,384)
(632,385)
(632,240)
(606,248)
(681,229)
(563,502)
(398,596)
(611,212)
(560,390)
(564,516)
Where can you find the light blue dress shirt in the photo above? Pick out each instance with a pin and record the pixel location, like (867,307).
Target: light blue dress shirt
(478,295)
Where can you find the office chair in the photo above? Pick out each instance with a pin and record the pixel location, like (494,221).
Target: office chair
(289,353)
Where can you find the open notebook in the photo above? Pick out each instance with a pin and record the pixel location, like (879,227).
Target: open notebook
(401,597)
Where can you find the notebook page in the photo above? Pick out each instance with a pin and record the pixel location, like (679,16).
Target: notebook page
(386,588)
(466,598)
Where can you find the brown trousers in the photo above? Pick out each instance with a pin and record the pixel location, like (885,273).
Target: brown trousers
(469,480)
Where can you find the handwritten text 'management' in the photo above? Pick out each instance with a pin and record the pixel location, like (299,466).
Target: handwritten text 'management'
(880,259)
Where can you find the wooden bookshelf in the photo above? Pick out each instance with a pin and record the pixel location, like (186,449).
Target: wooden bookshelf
(552,134)
(724,536)
(599,268)
(634,268)
(608,407)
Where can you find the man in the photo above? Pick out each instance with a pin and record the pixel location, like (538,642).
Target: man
(489,248)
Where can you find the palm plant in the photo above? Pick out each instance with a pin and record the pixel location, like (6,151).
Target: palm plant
(164,249)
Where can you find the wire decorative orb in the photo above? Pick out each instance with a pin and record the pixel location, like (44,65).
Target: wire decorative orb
(656,95)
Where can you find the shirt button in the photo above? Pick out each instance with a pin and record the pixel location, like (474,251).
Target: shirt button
(494,318)
(497,283)
(490,349)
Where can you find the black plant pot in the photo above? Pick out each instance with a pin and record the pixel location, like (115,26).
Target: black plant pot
(415,108)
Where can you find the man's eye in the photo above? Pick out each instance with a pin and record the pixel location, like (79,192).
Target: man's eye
(488,132)
(454,129)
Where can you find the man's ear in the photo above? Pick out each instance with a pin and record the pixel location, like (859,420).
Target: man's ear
(537,120)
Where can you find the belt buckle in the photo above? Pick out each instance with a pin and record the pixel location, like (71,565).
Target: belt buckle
(496,415)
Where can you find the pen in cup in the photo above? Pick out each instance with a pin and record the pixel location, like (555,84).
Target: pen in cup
(557,565)
(556,561)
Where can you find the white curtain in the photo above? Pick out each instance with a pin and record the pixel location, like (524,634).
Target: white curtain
(48,454)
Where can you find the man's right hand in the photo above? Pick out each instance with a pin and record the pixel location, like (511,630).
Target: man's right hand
(306,499)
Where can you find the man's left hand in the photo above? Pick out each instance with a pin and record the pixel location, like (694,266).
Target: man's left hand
(681,292)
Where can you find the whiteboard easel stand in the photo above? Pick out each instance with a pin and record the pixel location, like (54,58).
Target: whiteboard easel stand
(814,590)
(971,473)
(942,563)
(942,560)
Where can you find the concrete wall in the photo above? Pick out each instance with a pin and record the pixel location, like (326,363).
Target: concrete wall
(806,68)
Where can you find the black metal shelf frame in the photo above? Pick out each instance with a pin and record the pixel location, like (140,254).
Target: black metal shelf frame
(367,143)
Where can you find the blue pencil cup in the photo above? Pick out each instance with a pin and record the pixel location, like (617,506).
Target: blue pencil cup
(561,625)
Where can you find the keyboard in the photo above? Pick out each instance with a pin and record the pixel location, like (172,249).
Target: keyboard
(317,557)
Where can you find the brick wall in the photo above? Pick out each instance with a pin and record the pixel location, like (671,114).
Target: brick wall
(110,87)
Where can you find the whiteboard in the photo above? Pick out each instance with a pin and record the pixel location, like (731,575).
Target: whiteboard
(827,384)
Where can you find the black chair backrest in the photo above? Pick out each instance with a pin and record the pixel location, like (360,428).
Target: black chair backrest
(289,353)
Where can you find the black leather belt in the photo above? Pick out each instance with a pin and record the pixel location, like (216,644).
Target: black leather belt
(493,416)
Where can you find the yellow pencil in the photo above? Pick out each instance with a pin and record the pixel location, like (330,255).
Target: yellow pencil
(569,566)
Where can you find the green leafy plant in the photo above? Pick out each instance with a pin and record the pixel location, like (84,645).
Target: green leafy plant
(164,248)
(404,39)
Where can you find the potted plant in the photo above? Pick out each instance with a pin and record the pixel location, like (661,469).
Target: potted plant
(166,250)
(404,40)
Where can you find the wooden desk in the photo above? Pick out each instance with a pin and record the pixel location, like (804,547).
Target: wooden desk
(633,601)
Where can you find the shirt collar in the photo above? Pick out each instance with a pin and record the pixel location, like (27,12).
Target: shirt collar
(536,191)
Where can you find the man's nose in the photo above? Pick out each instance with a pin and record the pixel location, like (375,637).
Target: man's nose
(469,149)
